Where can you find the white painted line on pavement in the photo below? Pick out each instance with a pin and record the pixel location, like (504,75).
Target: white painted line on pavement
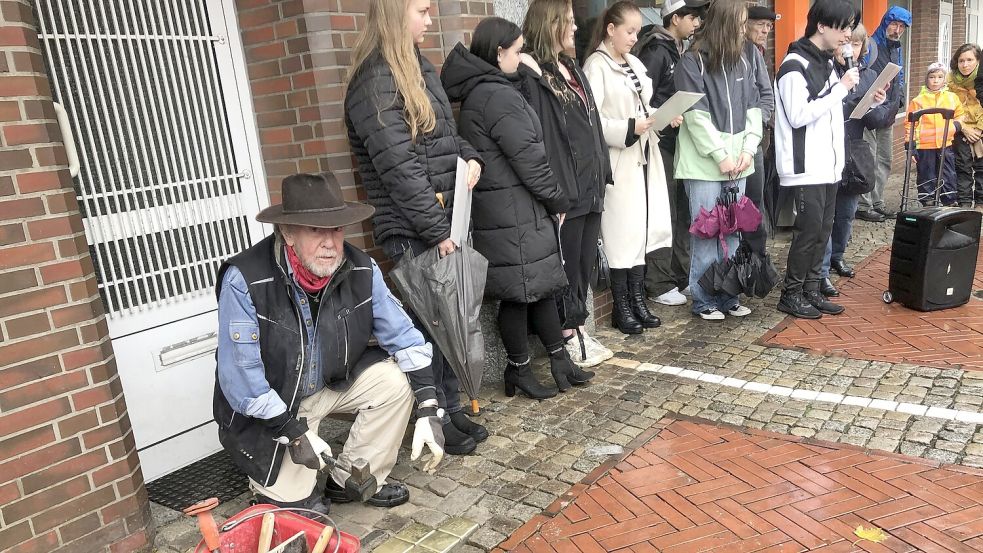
(812,395)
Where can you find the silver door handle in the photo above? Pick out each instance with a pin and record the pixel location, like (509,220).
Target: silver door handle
(68,138)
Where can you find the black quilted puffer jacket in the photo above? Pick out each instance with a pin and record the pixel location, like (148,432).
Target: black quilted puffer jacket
(402,178)
(517,192)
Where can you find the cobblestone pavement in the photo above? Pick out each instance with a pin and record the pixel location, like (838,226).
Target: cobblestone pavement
(538,450)
(711,488)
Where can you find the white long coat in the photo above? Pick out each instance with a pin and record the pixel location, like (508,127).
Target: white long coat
(636,219)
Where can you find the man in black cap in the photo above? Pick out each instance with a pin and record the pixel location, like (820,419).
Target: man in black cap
(296,312)
(760,22)
(667,269)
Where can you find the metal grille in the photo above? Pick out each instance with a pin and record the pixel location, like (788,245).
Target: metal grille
(158,186)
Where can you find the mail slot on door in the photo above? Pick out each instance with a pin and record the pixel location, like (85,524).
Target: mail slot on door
(187,350)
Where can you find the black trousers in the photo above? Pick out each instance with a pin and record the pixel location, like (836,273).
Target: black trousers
(447,385)
(578,245)
(515,319)
(668,268)
(813,224)
(969,171)
(755,191)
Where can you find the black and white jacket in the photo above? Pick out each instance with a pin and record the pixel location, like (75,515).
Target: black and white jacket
(809,117)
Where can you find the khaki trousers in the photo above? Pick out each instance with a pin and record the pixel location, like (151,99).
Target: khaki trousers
(382,400)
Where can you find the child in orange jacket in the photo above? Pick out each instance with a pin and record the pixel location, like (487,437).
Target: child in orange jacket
(929,131)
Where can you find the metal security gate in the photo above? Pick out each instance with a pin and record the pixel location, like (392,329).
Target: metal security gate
(157,100)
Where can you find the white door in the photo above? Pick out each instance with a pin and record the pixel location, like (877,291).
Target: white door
(170,179)
(945,31)
(974,11)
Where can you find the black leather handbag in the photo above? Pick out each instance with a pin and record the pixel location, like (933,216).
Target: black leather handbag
(859,171)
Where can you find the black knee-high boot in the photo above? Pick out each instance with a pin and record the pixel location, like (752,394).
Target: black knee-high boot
(623,317)
(636,293)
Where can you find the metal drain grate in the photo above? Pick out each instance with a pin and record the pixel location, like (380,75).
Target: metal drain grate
(213,476)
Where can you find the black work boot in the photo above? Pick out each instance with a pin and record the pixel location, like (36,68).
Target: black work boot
(622,317)
(391,494)
(314,502)
(636,294)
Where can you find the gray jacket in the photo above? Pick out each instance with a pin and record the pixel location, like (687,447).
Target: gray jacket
(762,80)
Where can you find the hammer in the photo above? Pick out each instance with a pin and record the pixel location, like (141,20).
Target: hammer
(360,484)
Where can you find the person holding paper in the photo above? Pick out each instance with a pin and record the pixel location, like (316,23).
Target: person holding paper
(887,38)
(561,96)
(636,217)
(859,154)
(718,138)
(518,203)
(968,148)
(809,141)
(402,132)
(667,270)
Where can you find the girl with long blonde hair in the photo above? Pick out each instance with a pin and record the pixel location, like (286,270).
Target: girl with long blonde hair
(403,134)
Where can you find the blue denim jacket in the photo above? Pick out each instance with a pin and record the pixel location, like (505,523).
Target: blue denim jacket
(241,373)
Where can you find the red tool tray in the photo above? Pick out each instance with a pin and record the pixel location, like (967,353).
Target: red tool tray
(244,537)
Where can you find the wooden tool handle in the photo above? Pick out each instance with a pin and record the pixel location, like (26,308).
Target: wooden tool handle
(323,539)
(266,533)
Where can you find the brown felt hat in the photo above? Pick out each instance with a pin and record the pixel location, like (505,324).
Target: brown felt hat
(314,201)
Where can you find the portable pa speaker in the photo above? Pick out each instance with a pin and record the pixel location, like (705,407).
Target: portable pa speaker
(933,258)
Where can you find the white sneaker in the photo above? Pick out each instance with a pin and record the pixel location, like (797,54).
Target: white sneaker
(711,315)
(573,348)
(738,311)
(593,346)
(672,297)
(686,292)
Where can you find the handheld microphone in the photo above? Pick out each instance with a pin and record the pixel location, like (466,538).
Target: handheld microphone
(848,56)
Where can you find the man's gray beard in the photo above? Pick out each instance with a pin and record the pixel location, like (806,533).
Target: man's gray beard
(317,272)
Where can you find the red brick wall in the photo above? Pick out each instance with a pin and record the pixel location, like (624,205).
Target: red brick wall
(69,474)
(297,54)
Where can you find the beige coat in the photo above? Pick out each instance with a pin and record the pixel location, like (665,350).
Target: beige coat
(636,217)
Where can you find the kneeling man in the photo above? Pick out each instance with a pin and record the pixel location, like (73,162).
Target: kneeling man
(296,313)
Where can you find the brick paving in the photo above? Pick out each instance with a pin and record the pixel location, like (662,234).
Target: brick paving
(871,329)
(707,487)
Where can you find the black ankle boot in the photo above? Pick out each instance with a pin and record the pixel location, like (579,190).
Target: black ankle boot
(519,375)
(636,296)
(564,371)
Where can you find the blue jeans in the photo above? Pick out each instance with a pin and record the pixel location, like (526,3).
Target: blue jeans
(705,251)
(846,209)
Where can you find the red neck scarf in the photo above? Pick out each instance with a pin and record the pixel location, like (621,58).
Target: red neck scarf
(310,282)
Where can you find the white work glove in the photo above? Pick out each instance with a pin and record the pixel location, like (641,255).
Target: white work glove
(430,432)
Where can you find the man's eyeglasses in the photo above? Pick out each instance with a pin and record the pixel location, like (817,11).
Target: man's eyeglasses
(763,25)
